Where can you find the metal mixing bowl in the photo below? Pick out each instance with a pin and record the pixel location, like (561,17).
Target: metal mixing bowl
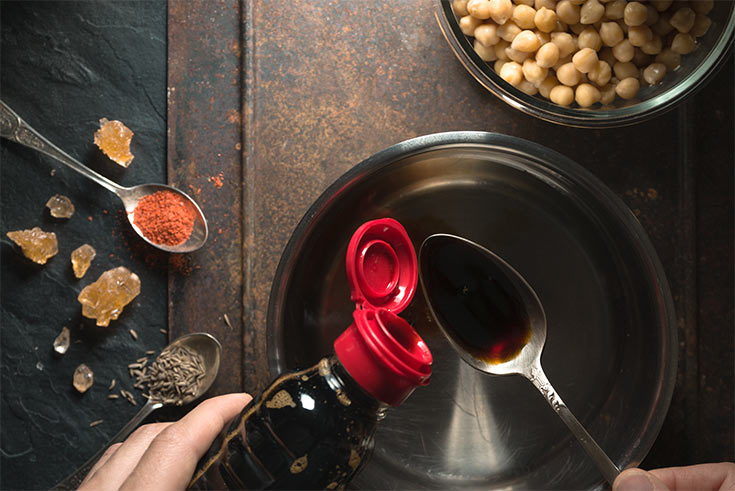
(611,344)
(696,68)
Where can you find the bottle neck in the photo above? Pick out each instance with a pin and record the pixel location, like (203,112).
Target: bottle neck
(357,395)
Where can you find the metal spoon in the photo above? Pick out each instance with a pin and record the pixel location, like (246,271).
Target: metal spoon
(15,129)
(528,361)
(209,349)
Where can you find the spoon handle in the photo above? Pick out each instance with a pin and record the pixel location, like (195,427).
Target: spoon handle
(15,129)
(608,469)
(74,480)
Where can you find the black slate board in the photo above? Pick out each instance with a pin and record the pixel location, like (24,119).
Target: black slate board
(63,66)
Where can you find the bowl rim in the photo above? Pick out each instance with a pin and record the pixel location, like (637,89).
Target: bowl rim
(576,117)
(556,164)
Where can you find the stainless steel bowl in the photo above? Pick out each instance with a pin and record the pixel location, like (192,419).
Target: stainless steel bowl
(611,346)
(696,69)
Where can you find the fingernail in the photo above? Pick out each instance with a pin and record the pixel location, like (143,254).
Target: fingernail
(634,482)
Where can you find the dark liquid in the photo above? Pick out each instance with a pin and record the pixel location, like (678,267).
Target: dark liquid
(474,302)
(309,430)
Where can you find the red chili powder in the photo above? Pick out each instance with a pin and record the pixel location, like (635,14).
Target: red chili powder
(165,218)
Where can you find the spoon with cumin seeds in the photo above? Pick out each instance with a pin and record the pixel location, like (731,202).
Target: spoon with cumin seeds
(182,373)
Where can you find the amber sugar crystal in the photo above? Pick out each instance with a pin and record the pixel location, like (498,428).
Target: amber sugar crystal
(37,245)
(104,299)
(113,138)
(60,206)
(81,259)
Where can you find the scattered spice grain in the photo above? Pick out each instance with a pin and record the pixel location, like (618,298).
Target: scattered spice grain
(133,335)
(95,423)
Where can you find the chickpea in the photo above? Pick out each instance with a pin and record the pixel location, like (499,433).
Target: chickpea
(628,88)
(565,42)
(543,37)
(577,28)
(500,10)
(683,44)
(621,23)
(567,12)
(527,87)
(498,65)
(545,19)
(652,16)
(683,19)
(601,74)
(525,41)
(662,27)
(614,10)
(500,50)
(641,59)
(611,33)
(703,7)
(585,60)
(487,34)
(625,69)
(468,24)
(486,53)
(623,51)
(639,35)
(577,2)
(635,14)
(512,73)
(607,94)
(589,38)
(568,74)
(654,73)
(534,73)
(479,9)
(661,5)
(517,56)
(547,55)
(607,56)
(586,95)
(561,62)
(653,47)
(591,12)
(508,31)
(460,7)
(701,25)
(523,16)
(561,95)
(670,58)
(525,2)
(545,87)
(549,4)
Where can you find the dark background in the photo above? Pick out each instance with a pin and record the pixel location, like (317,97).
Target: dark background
(63,66)
(240,81)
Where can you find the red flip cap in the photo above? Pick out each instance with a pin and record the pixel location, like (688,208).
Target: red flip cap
(380,350)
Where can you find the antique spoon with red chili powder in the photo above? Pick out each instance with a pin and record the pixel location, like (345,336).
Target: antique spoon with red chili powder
(163,216)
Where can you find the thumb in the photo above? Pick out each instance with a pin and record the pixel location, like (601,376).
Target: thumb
(638,480)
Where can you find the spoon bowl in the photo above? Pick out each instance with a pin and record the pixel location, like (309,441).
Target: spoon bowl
(202,343)
(14,128)
(468,300)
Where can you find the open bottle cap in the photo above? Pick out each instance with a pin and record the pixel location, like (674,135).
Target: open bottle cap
(382,268)
(380,350)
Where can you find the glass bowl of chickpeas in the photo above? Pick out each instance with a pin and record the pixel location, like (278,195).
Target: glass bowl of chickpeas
(589,63)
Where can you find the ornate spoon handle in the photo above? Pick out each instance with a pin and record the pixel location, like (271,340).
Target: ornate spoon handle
(15,129)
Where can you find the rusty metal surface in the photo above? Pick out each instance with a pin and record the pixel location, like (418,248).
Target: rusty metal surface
(326,84)
(204,159)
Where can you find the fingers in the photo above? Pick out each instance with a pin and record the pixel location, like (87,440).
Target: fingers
(172,456)
(705,477)
(121,458)
(638,480)
(701,476)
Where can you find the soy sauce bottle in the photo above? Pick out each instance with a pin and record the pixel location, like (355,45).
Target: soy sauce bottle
(313,429)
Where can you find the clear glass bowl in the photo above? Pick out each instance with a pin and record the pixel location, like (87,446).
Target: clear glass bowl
(696,68)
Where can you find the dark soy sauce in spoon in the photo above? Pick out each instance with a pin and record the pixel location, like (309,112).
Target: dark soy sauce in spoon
(479,309)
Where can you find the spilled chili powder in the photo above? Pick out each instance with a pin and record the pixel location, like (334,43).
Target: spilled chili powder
(164,218)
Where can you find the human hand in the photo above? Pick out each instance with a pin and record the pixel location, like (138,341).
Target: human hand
(704,477)
(163,456)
